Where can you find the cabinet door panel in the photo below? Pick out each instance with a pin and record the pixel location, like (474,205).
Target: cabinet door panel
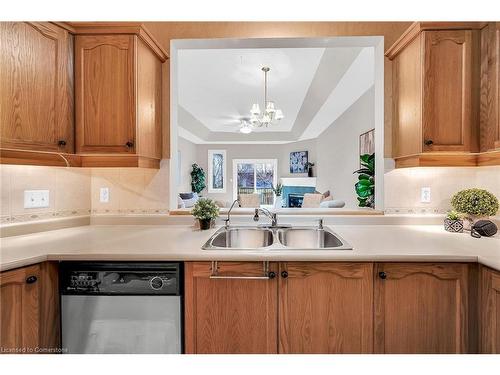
(105,93)
(230,315)
(421,308)
(449,94)
(490,311)
(19,310)
(36,90)
(326,308)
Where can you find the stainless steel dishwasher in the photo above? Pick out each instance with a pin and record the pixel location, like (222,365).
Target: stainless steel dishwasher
(121,307)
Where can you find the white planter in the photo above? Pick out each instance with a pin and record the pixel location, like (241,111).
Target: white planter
(278,202)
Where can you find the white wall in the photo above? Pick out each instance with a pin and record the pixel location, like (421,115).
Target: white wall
(338,150)
(251,151)
(188,156)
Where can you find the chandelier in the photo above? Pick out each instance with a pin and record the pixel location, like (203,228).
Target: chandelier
(270,115)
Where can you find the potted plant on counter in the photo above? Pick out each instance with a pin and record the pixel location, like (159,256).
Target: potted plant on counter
(454,222)
(278,191)
(475,204)
(205,210)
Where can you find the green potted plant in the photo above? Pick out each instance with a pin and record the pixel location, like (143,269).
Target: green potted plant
(278,191)
(197,179)
(453,222)
(475,204)
(365,187)
(205,210)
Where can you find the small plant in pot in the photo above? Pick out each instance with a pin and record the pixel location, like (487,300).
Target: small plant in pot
(278,192)
(474,204)
(205,210)
(454,222)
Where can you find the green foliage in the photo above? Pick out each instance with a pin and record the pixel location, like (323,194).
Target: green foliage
(205,208)
(454,215)
(197,179)
(278,190)
(477,202)
(365,187)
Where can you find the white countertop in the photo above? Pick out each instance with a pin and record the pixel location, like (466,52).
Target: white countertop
(422,243)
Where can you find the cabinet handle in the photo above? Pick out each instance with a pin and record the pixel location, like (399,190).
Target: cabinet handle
(61,143)
(428,142)
(31,279)
(271,275)
(129,144)
(284,274)
(382,275)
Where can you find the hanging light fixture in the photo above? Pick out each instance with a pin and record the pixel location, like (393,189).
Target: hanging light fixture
(246,127)
(270,114)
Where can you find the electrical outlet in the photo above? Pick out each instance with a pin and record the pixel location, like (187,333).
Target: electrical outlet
(36,198)
(425,195)
(104,195)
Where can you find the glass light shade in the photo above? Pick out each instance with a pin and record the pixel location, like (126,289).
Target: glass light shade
(266,119)
(270,107)
(255,111)
(246,129)
(279,114)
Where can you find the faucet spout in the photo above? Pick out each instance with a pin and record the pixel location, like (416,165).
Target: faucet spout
(228,220)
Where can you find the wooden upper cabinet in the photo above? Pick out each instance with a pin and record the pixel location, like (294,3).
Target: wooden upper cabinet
(105,93)
(490,87)
(422,308)
(233,313)
(436,76)
(20,310)
(450,90)
(36,87)
(118,82)
(490,311)
(326,307)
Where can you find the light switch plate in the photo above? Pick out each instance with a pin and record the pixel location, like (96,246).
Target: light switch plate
(425,195)
(104,195)
(36,198)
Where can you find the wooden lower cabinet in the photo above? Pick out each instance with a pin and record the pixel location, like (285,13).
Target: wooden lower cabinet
(29,310)
(422,308)
(490,311)
(307,307)
(325,307)
(230,315)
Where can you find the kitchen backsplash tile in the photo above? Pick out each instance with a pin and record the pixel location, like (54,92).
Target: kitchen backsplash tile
(403,186)
(137,191)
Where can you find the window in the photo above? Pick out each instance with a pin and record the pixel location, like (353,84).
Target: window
(216,171)
(255,176)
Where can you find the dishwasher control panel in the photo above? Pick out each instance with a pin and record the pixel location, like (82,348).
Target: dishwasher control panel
(125,278)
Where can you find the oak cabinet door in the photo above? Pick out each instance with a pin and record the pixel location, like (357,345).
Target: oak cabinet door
(20,310)
(450,91)
(233,315)
(36,87)
(326,307)
(105,93)
(421,308)
(490,311)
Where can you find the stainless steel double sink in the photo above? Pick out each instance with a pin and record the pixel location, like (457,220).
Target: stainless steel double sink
(275,238)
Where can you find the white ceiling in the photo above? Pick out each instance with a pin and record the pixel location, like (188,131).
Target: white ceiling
(313,87)
(219,86)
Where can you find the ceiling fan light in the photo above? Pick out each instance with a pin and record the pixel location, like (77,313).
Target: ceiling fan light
(246,129)
(255,111)
(279,114)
